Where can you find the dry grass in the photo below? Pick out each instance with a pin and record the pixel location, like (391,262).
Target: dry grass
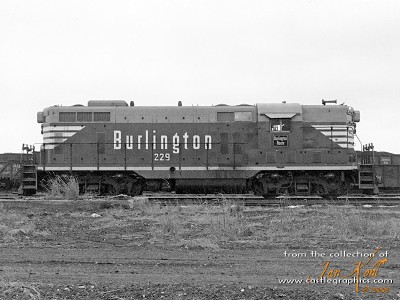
(63,187)
(343,223)
(18,290)
(203,225)
(171,222)
(16,227)
(196,243)
(225,221)
(361,222)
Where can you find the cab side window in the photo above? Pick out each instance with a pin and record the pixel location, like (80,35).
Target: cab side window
(280,125)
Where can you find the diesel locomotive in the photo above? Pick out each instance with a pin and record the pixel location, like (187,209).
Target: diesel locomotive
(267,148)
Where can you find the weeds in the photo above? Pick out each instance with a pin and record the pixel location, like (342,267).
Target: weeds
(357,222)
(203,243)
(113,204)
(203,225)
(18,290)
(228,222)
(16,227)
(64,187)
(170,222)
(333,223)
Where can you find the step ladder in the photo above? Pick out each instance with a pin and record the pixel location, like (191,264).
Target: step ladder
(366,170)
(29,180)
(366,177)
(29,171)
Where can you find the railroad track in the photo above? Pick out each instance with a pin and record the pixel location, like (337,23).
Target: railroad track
(254,200)
(245,199)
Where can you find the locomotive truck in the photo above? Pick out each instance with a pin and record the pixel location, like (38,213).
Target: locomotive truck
(267,148)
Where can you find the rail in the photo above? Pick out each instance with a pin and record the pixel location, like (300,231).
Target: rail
(242,199)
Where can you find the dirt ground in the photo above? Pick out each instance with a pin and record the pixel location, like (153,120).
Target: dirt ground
(133,249)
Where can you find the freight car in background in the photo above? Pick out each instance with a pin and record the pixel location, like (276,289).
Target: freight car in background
(386,170)
(10,168)
(268,148)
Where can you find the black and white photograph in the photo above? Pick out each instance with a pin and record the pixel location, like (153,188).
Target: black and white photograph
(196,150)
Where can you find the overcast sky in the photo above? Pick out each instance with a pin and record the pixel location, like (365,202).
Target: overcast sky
(202,53)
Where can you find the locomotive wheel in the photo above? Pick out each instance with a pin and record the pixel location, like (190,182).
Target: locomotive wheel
(257,188)
(285,187)
(136,188)
(318,190)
